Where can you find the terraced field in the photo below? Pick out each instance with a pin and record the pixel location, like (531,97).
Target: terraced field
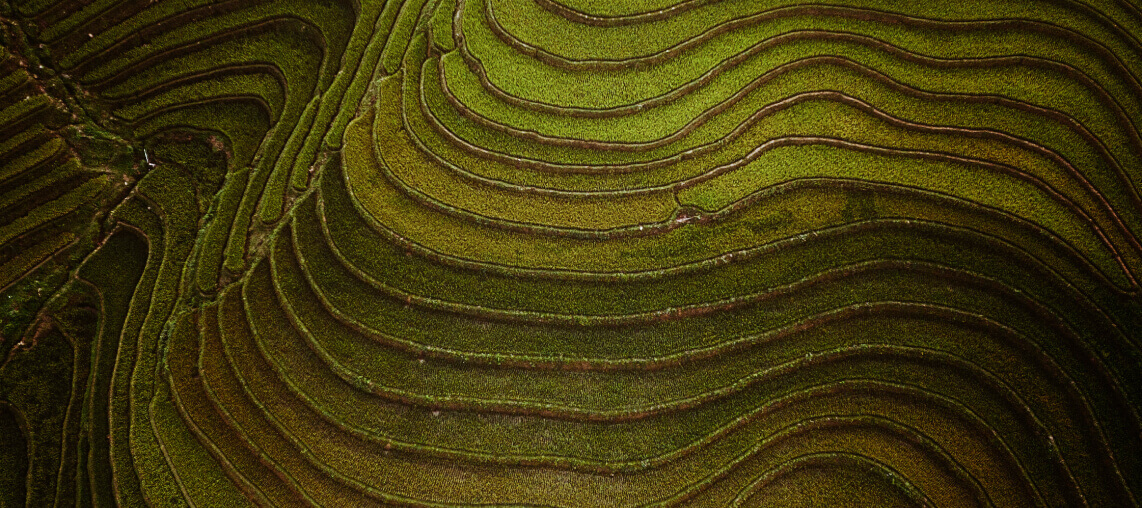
(570,253)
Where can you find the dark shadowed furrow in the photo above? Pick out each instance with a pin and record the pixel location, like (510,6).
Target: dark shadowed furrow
(567,253)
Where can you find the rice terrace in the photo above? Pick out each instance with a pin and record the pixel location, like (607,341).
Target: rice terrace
(582,253)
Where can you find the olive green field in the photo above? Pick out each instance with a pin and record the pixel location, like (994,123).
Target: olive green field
(570,253)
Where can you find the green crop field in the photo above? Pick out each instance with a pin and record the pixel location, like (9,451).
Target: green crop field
(780,253)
